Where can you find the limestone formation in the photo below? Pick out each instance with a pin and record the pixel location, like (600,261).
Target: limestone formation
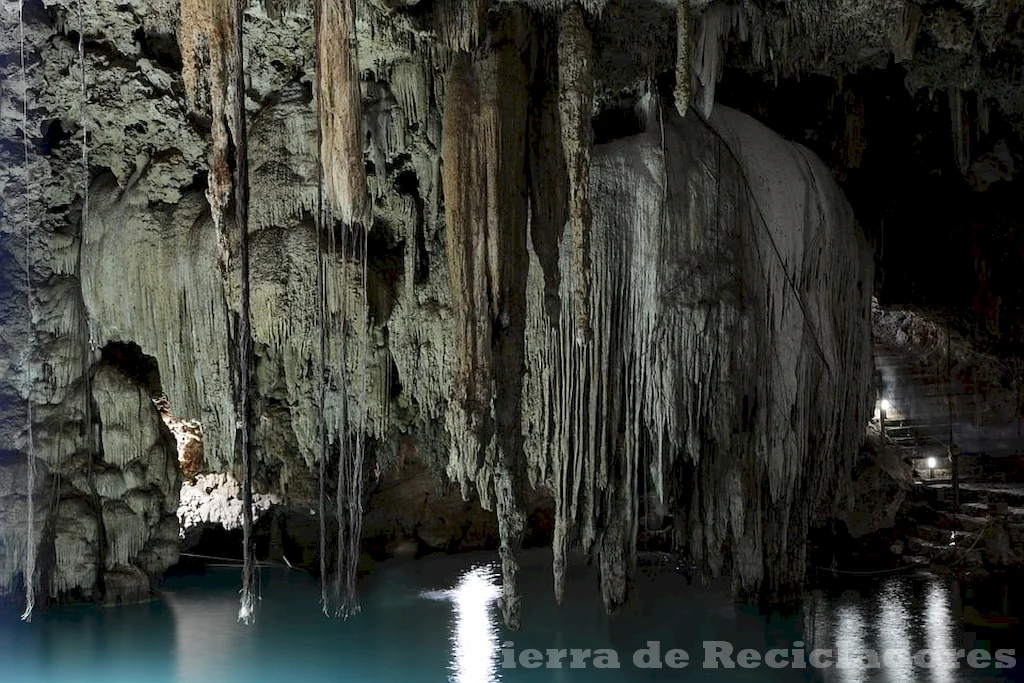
(439,212)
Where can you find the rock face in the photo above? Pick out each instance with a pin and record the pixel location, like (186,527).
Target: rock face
(136,486)
(725,367)
(880,486)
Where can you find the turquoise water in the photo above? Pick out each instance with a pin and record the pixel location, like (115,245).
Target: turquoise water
(435,620)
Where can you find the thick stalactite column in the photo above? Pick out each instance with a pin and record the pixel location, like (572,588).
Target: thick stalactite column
(683,38)
(340,113)
(465,191)
(210,25)
(576,104)
(484,151)
(219,24)
(461,24)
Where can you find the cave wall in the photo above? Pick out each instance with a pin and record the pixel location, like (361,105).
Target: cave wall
(727,300)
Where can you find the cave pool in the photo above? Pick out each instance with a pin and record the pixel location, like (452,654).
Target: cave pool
(435,619)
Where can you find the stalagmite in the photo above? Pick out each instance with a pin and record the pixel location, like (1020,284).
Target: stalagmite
(683,38)
(576,103)
(30,555)
(340,113)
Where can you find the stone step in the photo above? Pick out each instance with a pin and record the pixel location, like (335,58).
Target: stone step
(943,553)
(1012,496)
(965,522)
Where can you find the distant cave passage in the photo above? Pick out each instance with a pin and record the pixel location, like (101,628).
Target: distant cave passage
(129,359)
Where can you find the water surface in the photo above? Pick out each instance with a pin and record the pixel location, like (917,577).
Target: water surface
(436,620)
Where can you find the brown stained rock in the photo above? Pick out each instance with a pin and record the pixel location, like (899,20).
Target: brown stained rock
(191,458)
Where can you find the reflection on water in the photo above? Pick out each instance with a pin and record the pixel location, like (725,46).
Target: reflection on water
(475,634)
(476,630)
(437,619)
(894,634)
(938,624)
(204,632)
(849,644)
(900,630)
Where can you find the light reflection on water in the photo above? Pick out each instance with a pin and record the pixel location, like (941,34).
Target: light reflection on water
(849,641)
(895,645)
(475,633)
(938,623)
(438,619)
(901,630)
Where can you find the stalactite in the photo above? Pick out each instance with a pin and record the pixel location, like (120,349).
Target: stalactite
(855,143)
(983,114)
(83,120)
(549,177)
(30,555)
(247,610)
(350,598)
(340,113)
(576,102)
(905,32)
(465,152)
(461,24)
(484,148)
(699,292)
(322,312)
(411,86)
(83,325)
(960,128)
(348,526)
(683,38)
(710,54)
(210,25)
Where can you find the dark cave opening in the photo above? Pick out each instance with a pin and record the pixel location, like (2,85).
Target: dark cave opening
(128,358)
(162,48)
(406,183)
(617,122)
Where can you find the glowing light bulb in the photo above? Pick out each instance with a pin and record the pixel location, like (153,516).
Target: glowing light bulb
(885,405)
(931,463)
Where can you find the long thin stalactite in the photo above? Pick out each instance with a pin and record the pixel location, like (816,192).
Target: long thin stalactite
(324,317)
(87,398)
(341,509)
(350,601)
(246,613)
(30,554)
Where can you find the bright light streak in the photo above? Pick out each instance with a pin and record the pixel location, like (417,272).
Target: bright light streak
(475,638)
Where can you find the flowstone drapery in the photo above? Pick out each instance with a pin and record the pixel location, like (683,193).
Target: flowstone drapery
(730,353)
